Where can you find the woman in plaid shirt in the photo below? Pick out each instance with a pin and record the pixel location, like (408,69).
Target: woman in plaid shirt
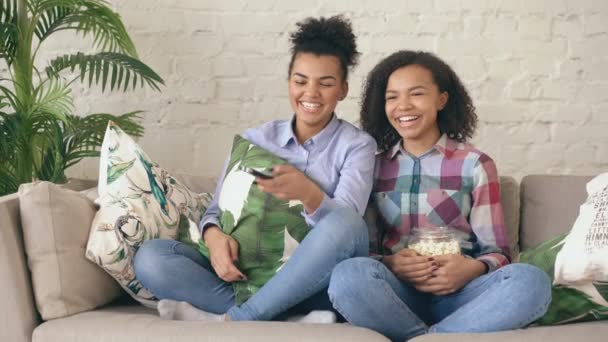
(426,175)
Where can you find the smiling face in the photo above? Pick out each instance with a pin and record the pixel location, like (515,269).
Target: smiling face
(316,85)
(412,101)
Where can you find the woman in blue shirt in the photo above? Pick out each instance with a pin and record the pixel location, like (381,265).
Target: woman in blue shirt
(330,171)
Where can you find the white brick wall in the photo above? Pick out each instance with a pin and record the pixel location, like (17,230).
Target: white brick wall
(537,70)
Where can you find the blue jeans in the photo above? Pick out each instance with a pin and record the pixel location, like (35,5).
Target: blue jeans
(173,270)
(369,295)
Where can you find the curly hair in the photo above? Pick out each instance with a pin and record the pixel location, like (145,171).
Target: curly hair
(326,36)
(457,119)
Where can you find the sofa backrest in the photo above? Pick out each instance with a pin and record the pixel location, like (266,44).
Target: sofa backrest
(18,316)
(549,206)
(509,197)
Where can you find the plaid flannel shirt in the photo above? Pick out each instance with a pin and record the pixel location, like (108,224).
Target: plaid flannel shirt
(453,184)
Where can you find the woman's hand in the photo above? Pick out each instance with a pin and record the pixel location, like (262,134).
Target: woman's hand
(289,183)
(454,272)
(223,254)
(410,266)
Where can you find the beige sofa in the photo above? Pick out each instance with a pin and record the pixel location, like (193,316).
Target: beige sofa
(539,208)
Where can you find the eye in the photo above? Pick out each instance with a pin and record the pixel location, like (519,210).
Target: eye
(327,85)
(390,97)
(418,94)
(300,82)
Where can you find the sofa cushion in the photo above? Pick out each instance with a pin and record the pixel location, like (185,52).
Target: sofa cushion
(267,229)
(569,303)
(588,332)
(509,198)
(55,224)
(138,201)
(136,323)
(549,206)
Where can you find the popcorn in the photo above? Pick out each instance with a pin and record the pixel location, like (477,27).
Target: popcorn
(434,241)
(430,248)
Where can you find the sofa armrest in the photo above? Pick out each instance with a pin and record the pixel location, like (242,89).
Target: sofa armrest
(18,316)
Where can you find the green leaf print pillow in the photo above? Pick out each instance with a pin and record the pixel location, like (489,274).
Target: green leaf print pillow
(138,200)
(570,303)
(267,229)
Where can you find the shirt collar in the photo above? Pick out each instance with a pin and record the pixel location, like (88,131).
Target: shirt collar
(322,138)
(444,145)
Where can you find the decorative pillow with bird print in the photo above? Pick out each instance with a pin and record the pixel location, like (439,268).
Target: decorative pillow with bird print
(267,229)
(138,201)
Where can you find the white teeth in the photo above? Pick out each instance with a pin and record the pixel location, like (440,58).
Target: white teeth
(310,105)
(407,118)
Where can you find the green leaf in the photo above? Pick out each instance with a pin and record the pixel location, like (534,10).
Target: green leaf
(602,289)
(8,41)
(85,135)
(543,256)
(39,136)
(87,17)
(55,99)
(51,18)
(95,65)
(570,305)
(8,10)
(117,170)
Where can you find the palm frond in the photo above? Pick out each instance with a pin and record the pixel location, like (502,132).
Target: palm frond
(8,10)
(51,20)
(23,140)
(53,99)
(8,42)
(7,135)
(123,69)
(8,181)
(9,97)
(93,17)
(8,30)
(85,135)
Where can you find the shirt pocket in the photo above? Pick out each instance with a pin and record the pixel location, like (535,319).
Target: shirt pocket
(388,204)
(445,208)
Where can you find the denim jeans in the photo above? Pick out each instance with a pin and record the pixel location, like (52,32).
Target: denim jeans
(369,295)
(173,270)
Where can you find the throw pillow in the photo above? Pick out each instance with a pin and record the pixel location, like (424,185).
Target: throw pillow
(138,201)
(267,229)
(584,256)
(56,224)
(569,303)
(577,262)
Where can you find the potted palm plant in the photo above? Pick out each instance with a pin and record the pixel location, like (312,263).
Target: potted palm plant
(40,137)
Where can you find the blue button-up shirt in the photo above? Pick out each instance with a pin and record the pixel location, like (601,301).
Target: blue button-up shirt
(340,159)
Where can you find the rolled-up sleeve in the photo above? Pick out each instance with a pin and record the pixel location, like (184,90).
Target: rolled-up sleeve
(355,184)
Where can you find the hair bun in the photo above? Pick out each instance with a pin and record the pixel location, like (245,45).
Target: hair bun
(334,33)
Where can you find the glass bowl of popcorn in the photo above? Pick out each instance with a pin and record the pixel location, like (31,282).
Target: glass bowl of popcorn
(433,241)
